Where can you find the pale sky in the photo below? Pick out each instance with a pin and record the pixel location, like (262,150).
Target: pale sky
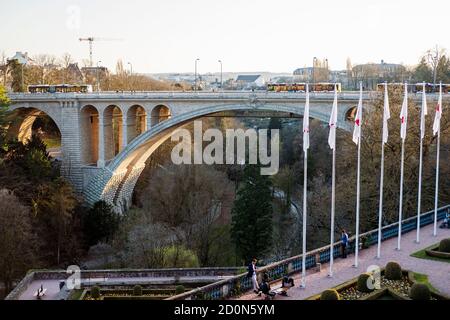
(247,35)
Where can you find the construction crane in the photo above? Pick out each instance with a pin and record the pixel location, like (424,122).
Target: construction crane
(91,40)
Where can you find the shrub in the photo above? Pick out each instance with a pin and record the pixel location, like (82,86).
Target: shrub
(444,245)
(179,289)
(419,291)
(95,292)
(393,271)
(362,284)
(137,290)
(330,294)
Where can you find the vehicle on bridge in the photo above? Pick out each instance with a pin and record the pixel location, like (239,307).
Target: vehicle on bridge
(301,87)
(415,88)
(59,88)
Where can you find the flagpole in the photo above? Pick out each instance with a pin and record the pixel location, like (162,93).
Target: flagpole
(437,183)
(358,187)
(437,163)
(305,183)
(380,209)
(358,176)
(400,205)
(333,187)
(422,124)
(305,175)
(332,142)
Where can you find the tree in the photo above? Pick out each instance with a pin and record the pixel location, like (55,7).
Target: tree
(252,215)
(4,103)
(16,72)
(423,71)
(100,223)
(55,208)
(17,242)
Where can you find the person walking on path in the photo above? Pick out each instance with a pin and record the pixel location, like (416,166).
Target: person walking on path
(252,274)
(344,239)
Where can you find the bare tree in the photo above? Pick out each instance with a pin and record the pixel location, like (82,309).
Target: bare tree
(17,242)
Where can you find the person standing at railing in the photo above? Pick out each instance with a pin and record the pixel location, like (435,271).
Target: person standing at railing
(252,274)
(344,239)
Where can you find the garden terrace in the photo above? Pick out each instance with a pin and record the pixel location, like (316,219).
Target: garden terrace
(240,286)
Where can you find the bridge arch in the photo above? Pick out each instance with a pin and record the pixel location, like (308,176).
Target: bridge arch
(350,114)
(115,184)
(89,124)
(135,122)
(160,113)
(112,131)
(23,120)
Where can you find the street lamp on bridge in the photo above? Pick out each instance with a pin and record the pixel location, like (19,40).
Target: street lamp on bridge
(98,76)
(221,78)
(131,75)
(195,81)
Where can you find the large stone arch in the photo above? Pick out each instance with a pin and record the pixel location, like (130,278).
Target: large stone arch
(23,117)
(115,183)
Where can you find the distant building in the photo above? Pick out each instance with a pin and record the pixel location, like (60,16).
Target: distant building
(372,73)
(311,74)
(74,74)
(22,58)
(250,81)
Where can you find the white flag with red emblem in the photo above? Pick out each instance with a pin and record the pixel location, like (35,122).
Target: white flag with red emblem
(404,114)
(386,115)
(438,114)
(423,113)
(358,119)
(306,122)
(333,122)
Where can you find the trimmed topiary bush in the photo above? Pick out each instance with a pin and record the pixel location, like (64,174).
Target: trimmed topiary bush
(393,271)
(419,291)
(95,292)
(444,245)
(330,294)
(179,289)
(137,290)
(363,280)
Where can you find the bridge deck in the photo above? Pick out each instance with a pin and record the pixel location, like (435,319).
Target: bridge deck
(316,282)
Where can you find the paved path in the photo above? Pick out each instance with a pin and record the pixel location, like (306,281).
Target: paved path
(316,282)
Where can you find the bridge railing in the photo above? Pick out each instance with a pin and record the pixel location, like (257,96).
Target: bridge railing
(241,283)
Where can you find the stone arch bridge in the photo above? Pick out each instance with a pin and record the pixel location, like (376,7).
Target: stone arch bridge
(107,137)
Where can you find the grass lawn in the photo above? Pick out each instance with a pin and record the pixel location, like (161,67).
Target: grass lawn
(75,294)
(423,278)
(423,255)
(52,142)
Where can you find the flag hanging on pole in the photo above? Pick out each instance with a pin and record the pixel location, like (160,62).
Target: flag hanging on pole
(437,130)
(332,143)
(386,115)
(306,122)
(404,124)
(358,119)
(333,122)
(305,181)
(404,114)
(438,114)
(423,113)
